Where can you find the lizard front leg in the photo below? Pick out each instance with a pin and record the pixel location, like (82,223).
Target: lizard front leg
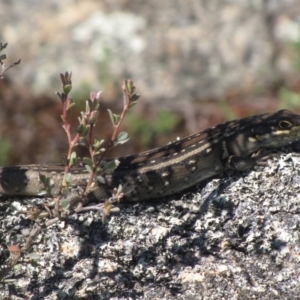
(242,163)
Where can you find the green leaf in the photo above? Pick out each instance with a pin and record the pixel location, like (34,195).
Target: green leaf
(88,168)
(92,119)
(133,103)
(113,117)
(130,88)
(69,178)
(120,188)
(88,161)
(122,137)
(135,97)
(88,106)
(101,179)
(67,88)
(100,151)
(82,130)
(73,159)
(99,170)
(127,188)
(47,183)
(110,165)
(71,106)
(97,143)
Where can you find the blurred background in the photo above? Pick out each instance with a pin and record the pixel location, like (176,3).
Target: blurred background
(194,62)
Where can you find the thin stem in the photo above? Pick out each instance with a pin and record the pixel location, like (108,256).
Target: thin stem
(108,148)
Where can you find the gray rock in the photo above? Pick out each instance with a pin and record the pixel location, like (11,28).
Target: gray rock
(236,237)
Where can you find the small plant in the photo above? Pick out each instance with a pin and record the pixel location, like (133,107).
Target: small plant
(67,203)
(3,57)
(5,144)
(15,252)
(94,164)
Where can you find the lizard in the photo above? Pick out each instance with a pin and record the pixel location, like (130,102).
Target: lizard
(172,168)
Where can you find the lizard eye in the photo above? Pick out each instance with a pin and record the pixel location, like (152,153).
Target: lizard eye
(285,124)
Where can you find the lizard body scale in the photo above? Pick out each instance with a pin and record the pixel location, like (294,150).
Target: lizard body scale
(174,167)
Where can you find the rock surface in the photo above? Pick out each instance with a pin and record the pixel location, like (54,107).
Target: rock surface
(236,237)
